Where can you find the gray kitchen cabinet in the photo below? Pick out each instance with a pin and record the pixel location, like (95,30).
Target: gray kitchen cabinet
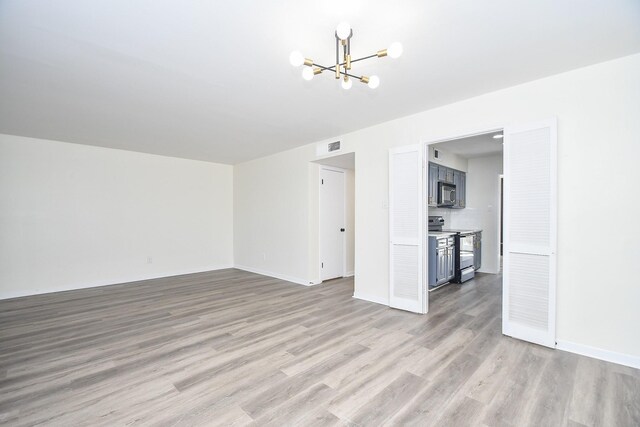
(439,173)
(449,175)
(450,263)
(432,185)
(442,173)
(445,174)
(461,193)
(441,260)
(441,271)
(477,250)
(456,181)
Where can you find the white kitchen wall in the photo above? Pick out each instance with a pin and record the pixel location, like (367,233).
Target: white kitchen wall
(75,216)
(447,158)
(598,143)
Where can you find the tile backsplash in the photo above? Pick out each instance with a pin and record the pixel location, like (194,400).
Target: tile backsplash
(468,218)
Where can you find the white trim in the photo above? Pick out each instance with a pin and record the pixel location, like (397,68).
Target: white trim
(452,137)
(284,277)
(121,281)
(349,273)
(599,353)
(500,239)
(371,298)
(332,168)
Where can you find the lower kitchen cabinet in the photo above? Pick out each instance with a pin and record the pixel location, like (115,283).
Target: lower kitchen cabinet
(477,250)
(441,259)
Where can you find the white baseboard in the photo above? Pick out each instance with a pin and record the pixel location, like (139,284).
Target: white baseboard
(349,274)
(275,275)
(108,282)
(598,353)
(371,298)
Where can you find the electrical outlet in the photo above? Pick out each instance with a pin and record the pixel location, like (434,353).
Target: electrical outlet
(149,260)
(264,256)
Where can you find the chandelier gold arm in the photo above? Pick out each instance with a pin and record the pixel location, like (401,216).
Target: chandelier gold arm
(342,68)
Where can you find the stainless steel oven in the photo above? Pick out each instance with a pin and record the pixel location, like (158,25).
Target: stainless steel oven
(446,194)
(467,247)
(465,256)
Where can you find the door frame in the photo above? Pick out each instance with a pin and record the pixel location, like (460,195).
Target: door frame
(474,132)
(426,143)
(500,214)
(344,218)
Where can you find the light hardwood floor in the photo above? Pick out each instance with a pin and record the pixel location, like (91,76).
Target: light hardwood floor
(235,348)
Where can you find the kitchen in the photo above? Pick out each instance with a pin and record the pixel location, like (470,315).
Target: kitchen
(464,186)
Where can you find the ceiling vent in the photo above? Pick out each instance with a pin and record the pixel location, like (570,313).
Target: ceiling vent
(325,148)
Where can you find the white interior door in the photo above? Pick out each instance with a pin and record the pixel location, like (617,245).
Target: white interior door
(407,289)
(529,264)
(332,223)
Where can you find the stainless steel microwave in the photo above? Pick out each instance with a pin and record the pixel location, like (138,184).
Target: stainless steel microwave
(446,194)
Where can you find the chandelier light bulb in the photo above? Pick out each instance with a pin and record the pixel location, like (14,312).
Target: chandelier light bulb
(374,82)
(296,58)
(346,84)
(343,30)
(395,50)
(307,73)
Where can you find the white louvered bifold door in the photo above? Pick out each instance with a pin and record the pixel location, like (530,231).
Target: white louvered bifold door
(530,205)
(407,287)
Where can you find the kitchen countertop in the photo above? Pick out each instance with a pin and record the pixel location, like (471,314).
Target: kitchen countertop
(442,233)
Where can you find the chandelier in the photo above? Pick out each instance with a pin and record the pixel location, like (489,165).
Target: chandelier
(341,70)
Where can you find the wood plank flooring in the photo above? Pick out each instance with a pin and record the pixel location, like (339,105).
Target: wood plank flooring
(235,348)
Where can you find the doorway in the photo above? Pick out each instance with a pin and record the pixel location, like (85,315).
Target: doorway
(472,166)
(530,230)
(336,217)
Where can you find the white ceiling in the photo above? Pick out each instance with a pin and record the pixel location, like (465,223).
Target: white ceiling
(473,146)
(211,80)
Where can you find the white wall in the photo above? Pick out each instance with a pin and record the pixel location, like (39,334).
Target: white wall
(597,109)
(447,158)
(271,223)
(74,216)
(483,208)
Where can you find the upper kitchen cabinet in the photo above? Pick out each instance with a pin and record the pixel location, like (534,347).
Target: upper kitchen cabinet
(460,181)
(439,173)
(432,185)
(462,194)
(445,174)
